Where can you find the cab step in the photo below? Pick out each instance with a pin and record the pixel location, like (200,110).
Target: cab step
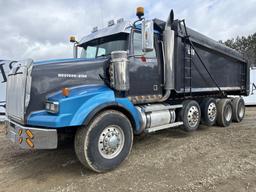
(167,126)
(151,108)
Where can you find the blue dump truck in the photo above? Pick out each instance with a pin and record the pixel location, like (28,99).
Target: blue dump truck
(130,79)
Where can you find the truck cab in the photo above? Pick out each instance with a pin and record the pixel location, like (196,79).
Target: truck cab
(145,68)
(129,79)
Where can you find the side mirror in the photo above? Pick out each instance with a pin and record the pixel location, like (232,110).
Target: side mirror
(147,35)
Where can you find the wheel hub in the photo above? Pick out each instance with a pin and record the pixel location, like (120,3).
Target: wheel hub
(212,111)
(241,111)
(111,142)
(228,113)
(193,116)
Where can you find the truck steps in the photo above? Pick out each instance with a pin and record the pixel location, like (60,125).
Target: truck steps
(151,108)
(153,129)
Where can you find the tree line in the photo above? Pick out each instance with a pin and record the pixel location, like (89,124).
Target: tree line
(245,45)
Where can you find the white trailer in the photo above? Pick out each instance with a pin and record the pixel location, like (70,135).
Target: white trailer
(251,99)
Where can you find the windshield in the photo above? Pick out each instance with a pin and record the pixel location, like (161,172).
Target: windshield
(104,46)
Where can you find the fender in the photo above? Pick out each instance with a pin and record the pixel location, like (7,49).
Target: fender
(121,104)
(80,107)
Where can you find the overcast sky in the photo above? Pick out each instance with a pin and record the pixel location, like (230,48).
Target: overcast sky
(40,29)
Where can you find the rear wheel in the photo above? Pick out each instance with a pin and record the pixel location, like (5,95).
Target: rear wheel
(238,109)
(224,112)
(190,114)
(106,142)
(209,111)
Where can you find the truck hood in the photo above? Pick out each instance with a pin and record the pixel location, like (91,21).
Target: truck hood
(51,76)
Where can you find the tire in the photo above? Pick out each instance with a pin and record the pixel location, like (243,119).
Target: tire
(209,111)
(93,143)
(190,114)
(224,112)
(238,109)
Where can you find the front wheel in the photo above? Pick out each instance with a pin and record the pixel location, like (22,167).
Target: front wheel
(106,142)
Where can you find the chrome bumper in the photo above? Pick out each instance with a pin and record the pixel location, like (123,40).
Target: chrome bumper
(30,137)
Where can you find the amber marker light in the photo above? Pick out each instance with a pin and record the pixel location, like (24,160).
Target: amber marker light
(20,140)
(65,91)
(72,39)
(29,133)
(30,143)
(20,132)
(140,12)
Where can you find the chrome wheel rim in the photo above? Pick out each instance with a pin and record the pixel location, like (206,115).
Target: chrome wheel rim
(228,113)
(241,111)
(193,116)
(212,111)
(111,141)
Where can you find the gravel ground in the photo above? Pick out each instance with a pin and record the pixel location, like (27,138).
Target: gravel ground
(210,159)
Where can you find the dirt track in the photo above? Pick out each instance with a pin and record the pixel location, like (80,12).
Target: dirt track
(211,159)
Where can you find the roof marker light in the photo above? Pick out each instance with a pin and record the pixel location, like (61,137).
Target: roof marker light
(120,20)
(94,29)
(111,22)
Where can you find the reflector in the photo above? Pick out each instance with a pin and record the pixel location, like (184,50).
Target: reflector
(29,142)
(20,132)
(29,133)
(20,140)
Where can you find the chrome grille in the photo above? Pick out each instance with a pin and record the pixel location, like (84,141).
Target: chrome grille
(17,90)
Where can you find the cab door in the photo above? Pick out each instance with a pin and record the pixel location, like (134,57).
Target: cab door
(145,68)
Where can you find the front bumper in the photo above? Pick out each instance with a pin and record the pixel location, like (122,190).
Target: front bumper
(31,137)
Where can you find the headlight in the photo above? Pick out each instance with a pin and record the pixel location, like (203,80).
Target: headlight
(52,106)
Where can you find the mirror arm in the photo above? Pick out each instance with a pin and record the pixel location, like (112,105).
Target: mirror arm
(75,50)
(141,19)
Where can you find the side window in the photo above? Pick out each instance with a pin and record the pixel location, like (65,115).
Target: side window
(137,46)
(89,52)
(101,51)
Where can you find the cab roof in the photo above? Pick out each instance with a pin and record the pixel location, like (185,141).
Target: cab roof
(123,27)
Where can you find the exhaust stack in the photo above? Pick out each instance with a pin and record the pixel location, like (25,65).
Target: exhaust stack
(168,37)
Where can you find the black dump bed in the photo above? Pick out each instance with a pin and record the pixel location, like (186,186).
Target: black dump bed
(207,67)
